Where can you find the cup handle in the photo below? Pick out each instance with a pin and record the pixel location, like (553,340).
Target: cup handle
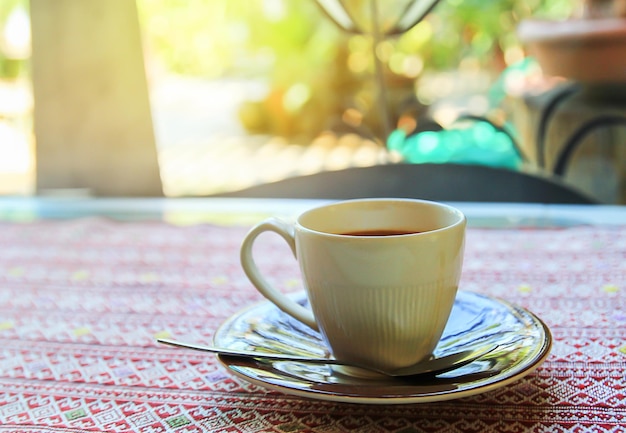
(287,232)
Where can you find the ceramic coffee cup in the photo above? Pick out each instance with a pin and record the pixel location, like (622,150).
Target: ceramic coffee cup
(381,275)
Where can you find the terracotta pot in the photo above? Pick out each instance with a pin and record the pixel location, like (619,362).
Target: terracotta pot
(585,50)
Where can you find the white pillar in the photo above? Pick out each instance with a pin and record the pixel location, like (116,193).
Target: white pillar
(92,118)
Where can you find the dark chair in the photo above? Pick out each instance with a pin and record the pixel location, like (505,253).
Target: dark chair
(441,182)
(603,118)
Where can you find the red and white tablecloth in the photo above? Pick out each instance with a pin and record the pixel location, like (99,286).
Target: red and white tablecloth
(82,301)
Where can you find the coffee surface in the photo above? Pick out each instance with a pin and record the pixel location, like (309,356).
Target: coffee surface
(380,232)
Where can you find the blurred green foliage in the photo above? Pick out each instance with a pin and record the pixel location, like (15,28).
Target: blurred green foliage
(7,6)
(284,37)
(315,73)
(483,30)
(10,67)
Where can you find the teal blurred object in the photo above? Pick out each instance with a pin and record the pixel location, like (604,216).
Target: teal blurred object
(471,140)
(479,143)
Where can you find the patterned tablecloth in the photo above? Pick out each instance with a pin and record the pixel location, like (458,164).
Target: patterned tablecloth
(82,301)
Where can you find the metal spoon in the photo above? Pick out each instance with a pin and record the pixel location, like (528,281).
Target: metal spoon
(432,365)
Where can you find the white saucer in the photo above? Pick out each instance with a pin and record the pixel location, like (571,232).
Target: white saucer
(524,343)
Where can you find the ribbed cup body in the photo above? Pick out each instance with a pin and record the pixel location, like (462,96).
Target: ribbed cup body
(382,301)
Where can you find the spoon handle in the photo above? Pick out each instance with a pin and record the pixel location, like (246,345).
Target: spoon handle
(249,353)
(442,364)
